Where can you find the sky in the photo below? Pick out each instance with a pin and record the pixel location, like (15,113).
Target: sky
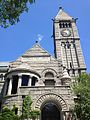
(37,25)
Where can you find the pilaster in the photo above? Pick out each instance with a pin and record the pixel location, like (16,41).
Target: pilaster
(10,86)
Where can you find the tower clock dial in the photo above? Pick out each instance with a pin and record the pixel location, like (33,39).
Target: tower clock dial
(65,32)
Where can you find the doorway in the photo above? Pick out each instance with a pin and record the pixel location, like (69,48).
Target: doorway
(50,111)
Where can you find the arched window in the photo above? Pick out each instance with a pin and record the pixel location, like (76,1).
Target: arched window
(49,79)
(49,75)
(65,24)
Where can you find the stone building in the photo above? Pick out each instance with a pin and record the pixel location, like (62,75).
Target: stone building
(48,79)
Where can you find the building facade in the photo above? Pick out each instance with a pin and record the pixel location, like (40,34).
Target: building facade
(46,78)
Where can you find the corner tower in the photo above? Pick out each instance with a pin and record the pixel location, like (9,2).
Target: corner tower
(67,47)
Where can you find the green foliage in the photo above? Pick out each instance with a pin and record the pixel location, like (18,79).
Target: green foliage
(82,90)
(8,114)
(10,11)
(34,114)
(27,109)
(27,106)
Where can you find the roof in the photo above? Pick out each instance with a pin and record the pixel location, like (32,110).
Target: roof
(62,15)
(4,64)
(35,51)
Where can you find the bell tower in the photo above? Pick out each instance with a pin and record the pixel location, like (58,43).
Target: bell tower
(67,47)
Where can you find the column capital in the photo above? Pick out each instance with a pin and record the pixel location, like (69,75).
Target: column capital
(30,76)
(19,76)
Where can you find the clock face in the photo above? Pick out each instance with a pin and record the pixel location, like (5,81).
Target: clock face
(66,33)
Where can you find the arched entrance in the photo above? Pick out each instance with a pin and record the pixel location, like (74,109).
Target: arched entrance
(50,111)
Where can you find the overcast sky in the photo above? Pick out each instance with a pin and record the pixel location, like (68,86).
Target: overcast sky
(37,25)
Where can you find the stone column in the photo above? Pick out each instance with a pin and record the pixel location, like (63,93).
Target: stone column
(64,115)
(5,87)
(19,81)
(68,116)
(10,86)
(30,80)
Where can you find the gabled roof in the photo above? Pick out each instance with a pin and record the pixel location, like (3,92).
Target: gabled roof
(36,51)
(31,57)
(62,15)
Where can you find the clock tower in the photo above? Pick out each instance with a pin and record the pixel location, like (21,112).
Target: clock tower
(67,47)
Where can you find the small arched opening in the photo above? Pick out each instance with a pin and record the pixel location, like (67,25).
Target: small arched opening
(49,79)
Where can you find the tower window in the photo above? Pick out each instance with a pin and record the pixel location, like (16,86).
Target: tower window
(69,25)
(73,72)
(74,45)
(68,44)
(61,25)
(65,24)
(70,65)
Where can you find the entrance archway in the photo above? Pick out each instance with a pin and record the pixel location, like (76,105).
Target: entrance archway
(50,111)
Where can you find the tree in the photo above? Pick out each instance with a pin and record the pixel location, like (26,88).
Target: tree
(8,114)
(82,91)
(27,109)
(10,11)
(34,114)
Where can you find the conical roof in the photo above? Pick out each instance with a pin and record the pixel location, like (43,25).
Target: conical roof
(62,15)
(65,74)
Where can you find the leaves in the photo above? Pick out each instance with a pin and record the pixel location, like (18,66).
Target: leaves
(27,106)
(10,11)
(82,90)
(8,114)
(34,114)
(27,109)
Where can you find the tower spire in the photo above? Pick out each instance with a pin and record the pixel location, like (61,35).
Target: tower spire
(67,43)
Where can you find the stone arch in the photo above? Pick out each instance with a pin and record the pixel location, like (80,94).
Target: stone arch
(51,97)
(49,75)
(49,70)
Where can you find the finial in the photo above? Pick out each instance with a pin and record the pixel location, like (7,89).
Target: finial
(74,19)
(65,74)
(60,8)
(36,41)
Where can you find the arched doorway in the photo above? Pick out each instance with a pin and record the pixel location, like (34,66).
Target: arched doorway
(50,111)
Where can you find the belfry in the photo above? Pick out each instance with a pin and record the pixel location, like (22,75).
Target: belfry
(48,79)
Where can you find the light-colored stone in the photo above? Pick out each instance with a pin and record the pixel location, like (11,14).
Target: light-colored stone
(46,71)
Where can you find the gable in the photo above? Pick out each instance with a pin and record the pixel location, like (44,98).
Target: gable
(36,51)
(62,15)
(35,56)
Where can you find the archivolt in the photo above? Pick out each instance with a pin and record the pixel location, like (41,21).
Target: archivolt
(51,97)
